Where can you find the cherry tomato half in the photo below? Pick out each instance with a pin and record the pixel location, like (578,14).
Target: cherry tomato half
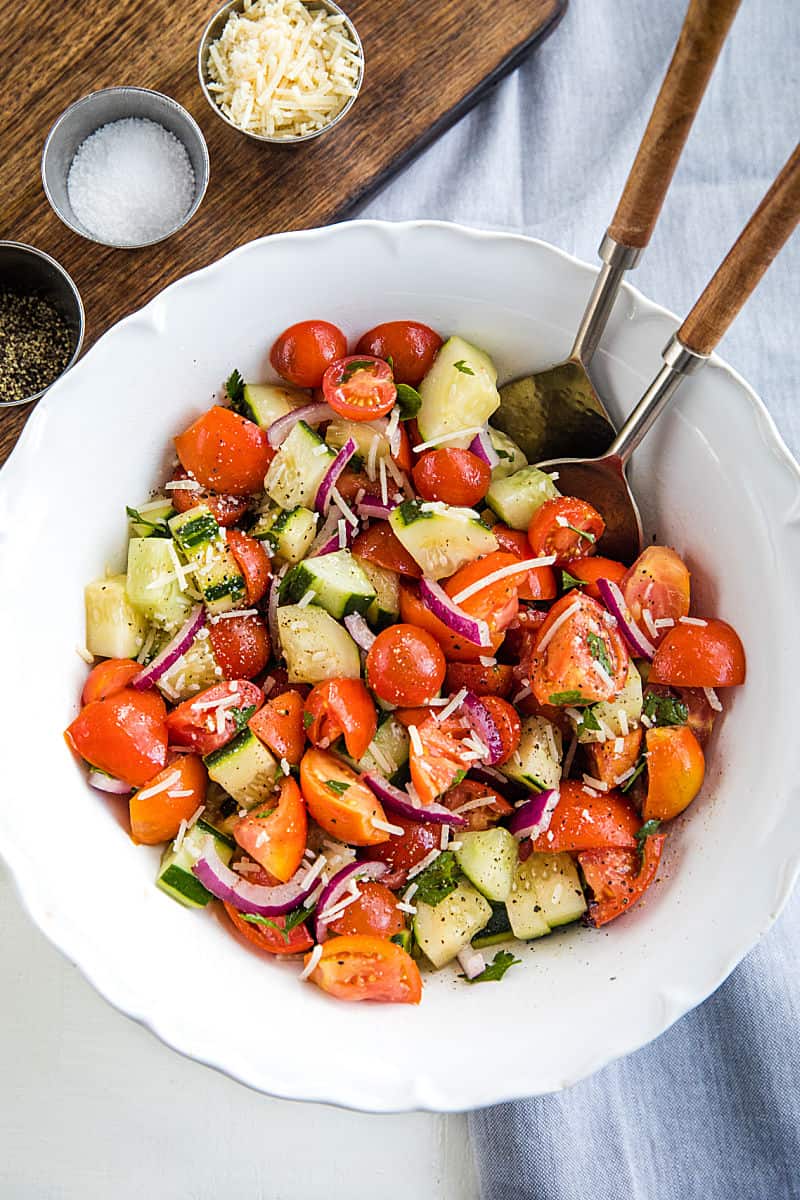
(618,878)
(123,735)
(441,762)
(567,527)
(658,584)
(584,660)
(157,817)
(274,833)
(241,645)
(411,346)
(225,452)
(109,677)
(405,665)
(675,770)
(359,388)
(375,912)
(378,544)
(338,800)
(582,821)
(341,706)
(264,937)
(507,723)
(589,570)
(193,723)
(303,352)
(253,562)
(361,967)
(452,475)
(401,854)
(710,655)
(225,509)
(279,725)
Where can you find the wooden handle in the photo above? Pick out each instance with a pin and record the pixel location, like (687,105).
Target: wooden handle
(736,277)
(704,30)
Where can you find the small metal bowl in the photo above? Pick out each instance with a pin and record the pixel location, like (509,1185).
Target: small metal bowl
(88,114)
(30,271)
(213,30)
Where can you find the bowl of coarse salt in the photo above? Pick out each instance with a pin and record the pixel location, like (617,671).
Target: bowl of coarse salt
(126,167)
(281,71)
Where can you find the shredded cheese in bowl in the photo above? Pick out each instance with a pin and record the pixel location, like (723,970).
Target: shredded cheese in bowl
(282,69)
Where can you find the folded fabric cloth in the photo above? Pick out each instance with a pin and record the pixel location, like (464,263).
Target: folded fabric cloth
(712,1109)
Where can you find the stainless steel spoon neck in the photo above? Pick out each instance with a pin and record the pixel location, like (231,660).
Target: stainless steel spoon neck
(616,259)
(679,361)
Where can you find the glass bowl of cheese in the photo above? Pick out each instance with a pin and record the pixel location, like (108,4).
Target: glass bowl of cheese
(281,71)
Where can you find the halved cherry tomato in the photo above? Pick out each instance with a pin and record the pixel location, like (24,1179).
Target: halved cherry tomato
(341,706)
(378,544)
(507,723)
(441,763)
(274,834)
(225,452)
(497,604)
(124,735)
(540,583)
(582,821)
(452,475)
(496,680)
(658,583)
(253,562)
(241,645)
(589,570)
(455,647)
(618,878)
(264,937)
(403,456)
(486,815)
(194,722)
(339,801)
(567,527)
(401,854)
(375,912)
(361,967)
(606,763)
(411,346)
(279,725)
(350,483)
(675,770)
(109,677)
(710,655)
(225,509)
(520,640)
(405,665)
(359,388)
(156,818)
(701,714)
(304,351)
(584,659)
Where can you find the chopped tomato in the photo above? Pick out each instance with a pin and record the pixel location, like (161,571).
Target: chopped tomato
(583,658)
(279,725)
(350,483)
(109,677)
(411,346)
(359,387)
(123,735)
(495,680)
(156,816)
(375,911)
(709,655)
(378,544)
(496,603)
(521,638)
(267,937)
(337,707)
(656,584)
(339,801)
(567,527)
(485,815)
(241,645)
(701,714)
(253,562)
(401,854)
(541,581)
(276,682)
(507,723)
(225,509)
(225,452)
(193,723)
(589,570)
(403,456)
(618,878)
(606,763)
(361,967)
(274,834)
(441,763)
(452,475)
(455,647)
(405,665)
(675,770)
(304,351)
(582,821)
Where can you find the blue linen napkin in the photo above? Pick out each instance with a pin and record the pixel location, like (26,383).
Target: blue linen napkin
(711,1109)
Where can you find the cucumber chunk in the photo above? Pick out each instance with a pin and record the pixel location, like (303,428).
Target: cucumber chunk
(151,582)
(440,537)
(363,434)
(195,670)
(216,571)
(175,875)
(525,913)
(153,515)
(443,930)
(336,580)
(511,457)
(245,768)
(629,701)
(114,628)
(488,858)
(558,888)
(287,533)
(385,608)
(515,498)
(536,762)
(315,646)
(298,468)
(497,929)
(386,754)
(266,402)
(458,392)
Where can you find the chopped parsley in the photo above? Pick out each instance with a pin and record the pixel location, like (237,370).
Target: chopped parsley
(573,697)
(458,777)
(589,720)
(647,830)
(629,782)
(409,401)
(292,919)
(438,880)
(599,652)
(308,720)
(358,364)
(234,386)
(663,710)
(463,368)
(496,968)
(241,716)
(263,816)
(504,454)
(339,786)
(584,533)
(159,528)
(569,581)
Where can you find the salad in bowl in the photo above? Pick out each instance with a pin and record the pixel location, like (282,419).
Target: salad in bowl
(371,683)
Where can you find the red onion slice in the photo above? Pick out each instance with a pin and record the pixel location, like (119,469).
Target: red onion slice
(312,414)
(327,540)
(359,631)
(172,651)
(400,802)
(226,885)
(374,509)
(615,602)
(331,476)
(481,446)
(533,817)
(437,601)
(335,888)
(107,783)
(471,962)
(484,725)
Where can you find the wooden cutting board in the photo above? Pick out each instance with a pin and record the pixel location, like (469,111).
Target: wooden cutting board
(427,62)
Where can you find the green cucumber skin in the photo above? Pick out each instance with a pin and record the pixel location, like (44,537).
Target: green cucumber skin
(180,881)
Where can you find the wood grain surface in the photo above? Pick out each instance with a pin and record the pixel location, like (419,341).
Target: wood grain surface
(427,61)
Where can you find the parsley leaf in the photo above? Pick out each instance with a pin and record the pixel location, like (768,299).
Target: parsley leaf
(409,401)
(629,782)
(663,710)
(590,537)
(573,697)
(569,581)
(647,830)
(463,368)
(234,386)
(599,653)
(308,720)
(295,917)
(503,454)
(589,719)
(390,361)
(496,968)
(438,880)
(358,364)
(339,786)
(241,716)
(159,528)
(263,816)
(458,777)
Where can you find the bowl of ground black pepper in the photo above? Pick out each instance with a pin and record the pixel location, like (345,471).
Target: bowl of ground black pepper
(41,323)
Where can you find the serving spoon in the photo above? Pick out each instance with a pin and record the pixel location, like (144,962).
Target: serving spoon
(558,411)
(602,480)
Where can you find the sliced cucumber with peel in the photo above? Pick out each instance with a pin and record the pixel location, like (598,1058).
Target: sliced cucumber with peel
(175,875)
(440,537)
(515,498)
(298,468)
(511,457)
(458,392)
(536,762)
(336,582)
(444,929)
(114,627)
(488,858)
(315,646)
(265,403)
(628,701)
(216,571)
(497,928)
(245,768)
(288,533)
(385,608)
(545,894)
(151,582)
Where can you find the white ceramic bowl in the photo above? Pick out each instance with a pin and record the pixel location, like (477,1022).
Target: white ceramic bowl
(715,481)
